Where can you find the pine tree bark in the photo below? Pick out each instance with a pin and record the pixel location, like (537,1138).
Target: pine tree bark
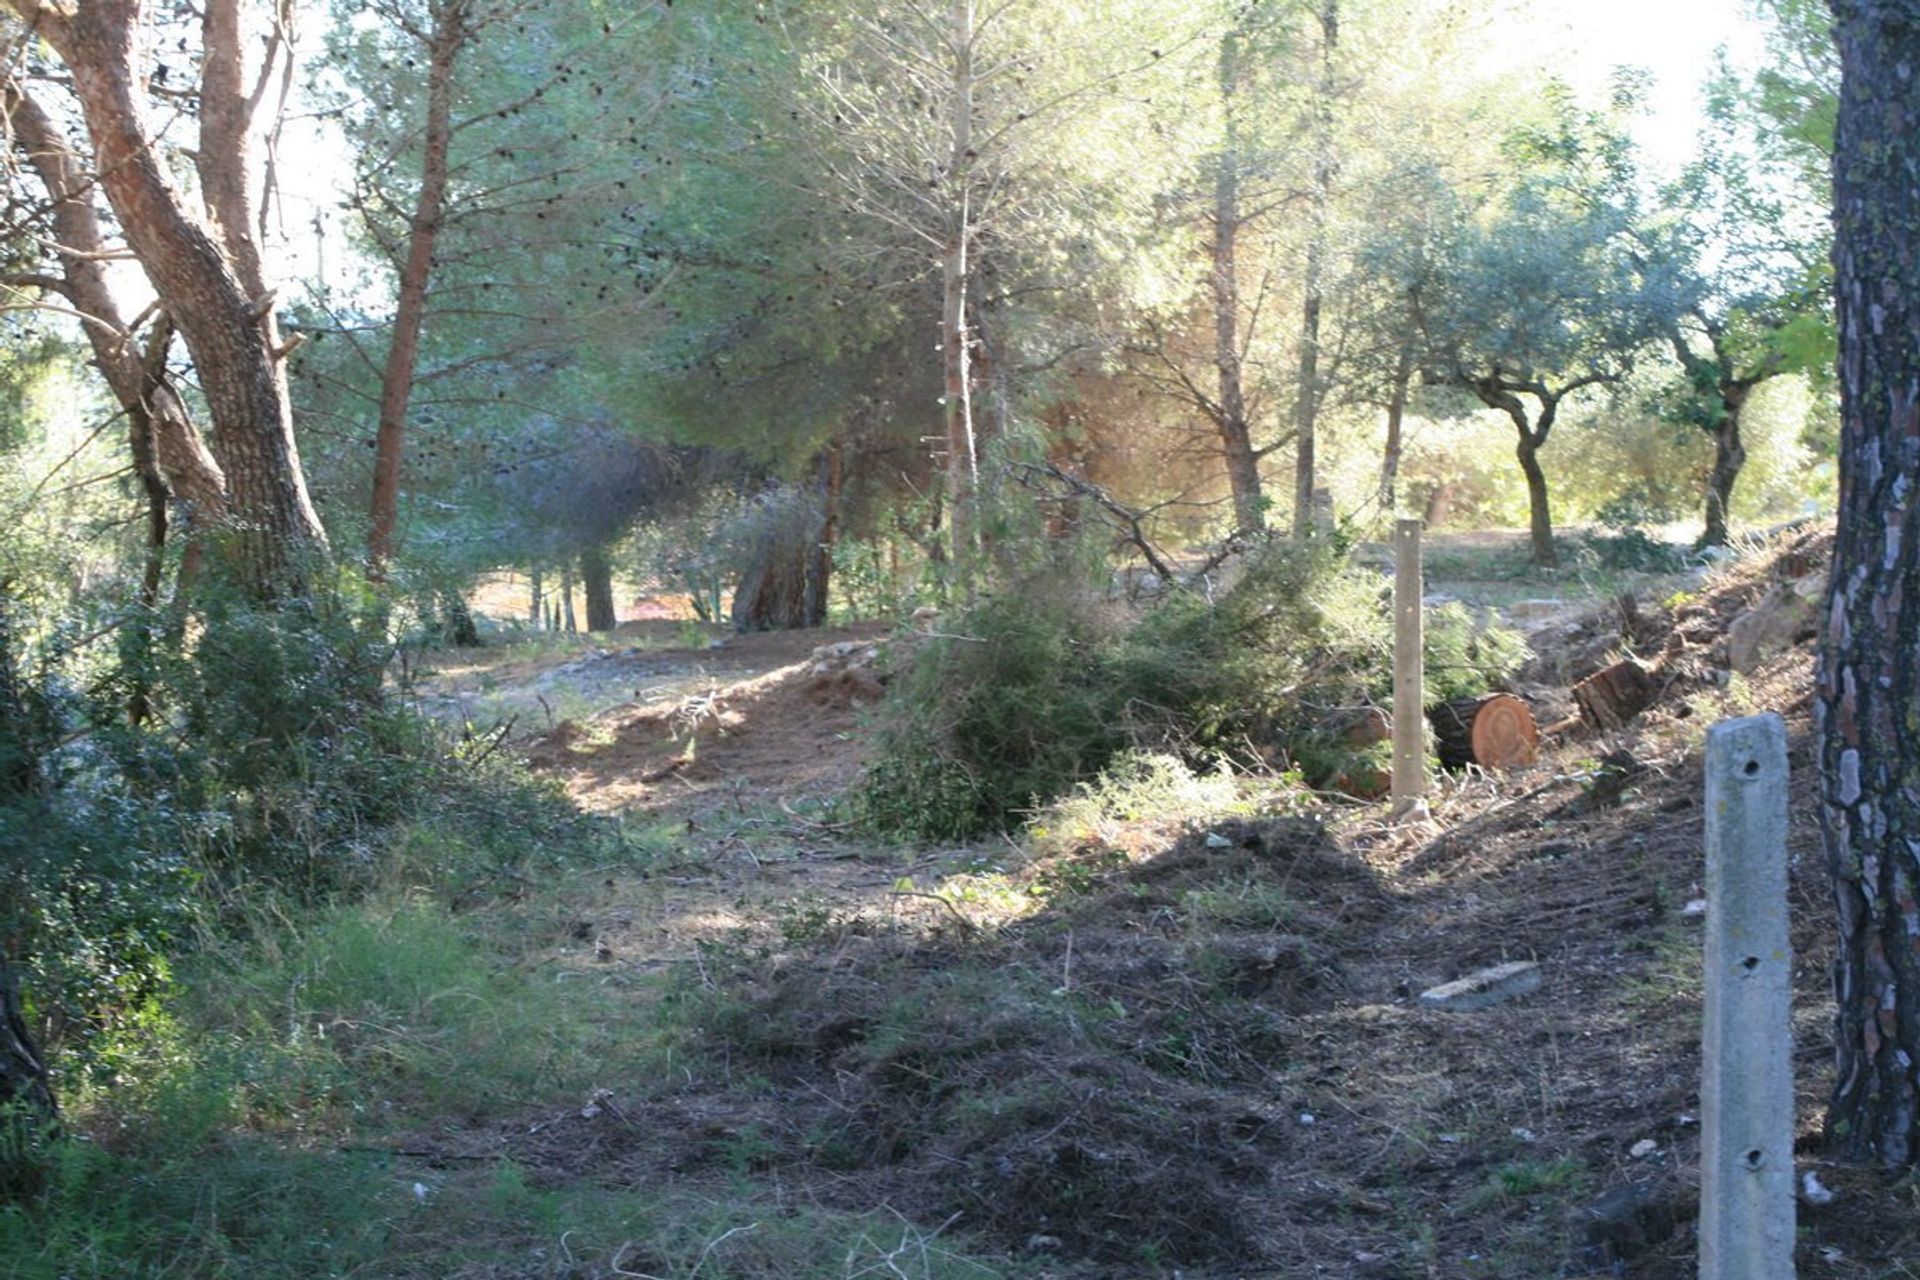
(272,533)
(1230,417)
(596,576)
(1306,411)
(178,451)
(446,40)
(962,463)
(1869,683)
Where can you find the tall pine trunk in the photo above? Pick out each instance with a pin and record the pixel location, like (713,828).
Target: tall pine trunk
(444,43)
(596,575)
(1230,418)
(272,533)
(1869,682)
(1306,412)
(962,463)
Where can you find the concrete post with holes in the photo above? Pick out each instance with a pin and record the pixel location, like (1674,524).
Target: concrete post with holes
(1746,1088)
(1409,677)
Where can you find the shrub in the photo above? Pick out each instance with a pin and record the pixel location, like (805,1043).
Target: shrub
(1028,694)
(273,768)
(1010,705)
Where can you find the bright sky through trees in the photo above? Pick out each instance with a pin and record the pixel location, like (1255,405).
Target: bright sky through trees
(1676,40)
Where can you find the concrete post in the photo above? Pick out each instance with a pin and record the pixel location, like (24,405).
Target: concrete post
(1746,1088)
(1409,683)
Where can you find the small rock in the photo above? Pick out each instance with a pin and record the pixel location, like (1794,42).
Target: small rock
(1643,1148)
(1042,1244)
(1450,1139)
(1524,1135)
(1484,988)
(1695,907)
(1217,841)
(1306,1118)
(1814,1191)
(1782,619)
(1626,1222)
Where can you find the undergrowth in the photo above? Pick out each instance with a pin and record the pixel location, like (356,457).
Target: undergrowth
(1031,693)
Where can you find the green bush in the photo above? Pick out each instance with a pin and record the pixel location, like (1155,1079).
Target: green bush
(1027,694)
(1011,704)
(272,769)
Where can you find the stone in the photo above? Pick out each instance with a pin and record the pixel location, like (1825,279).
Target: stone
(1782,619)
(1484,988)
(1625,1223)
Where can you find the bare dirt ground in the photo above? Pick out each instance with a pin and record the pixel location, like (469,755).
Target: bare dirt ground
(1197,1050)
(778,724)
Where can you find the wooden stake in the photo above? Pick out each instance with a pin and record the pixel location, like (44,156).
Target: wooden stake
(1746,1088)
(1409,692)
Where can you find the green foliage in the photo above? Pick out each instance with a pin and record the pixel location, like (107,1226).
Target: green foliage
(1026,696)
(1010,705)
(272,766)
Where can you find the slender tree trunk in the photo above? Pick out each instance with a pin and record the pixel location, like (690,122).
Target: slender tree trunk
(272,531)
(963,463)
(1539,510)
(820,559)
(1236,436)
(445,42)
(1729,456)
(1306,410)
(1396,415)
(1869,683)
(534,612)
(566,600)
(146,464)
(596,575)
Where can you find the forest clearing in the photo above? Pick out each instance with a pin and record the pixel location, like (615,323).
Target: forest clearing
(1038,639)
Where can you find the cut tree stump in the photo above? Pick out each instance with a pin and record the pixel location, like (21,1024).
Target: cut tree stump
(1494,732)
(1609,698)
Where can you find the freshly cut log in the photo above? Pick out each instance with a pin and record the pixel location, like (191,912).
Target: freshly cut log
(1610,697)
(1494,732)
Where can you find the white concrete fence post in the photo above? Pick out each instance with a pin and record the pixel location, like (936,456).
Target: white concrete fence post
(1746,1088)
(1409,793)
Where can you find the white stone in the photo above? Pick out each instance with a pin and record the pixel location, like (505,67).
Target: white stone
(1484,988)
